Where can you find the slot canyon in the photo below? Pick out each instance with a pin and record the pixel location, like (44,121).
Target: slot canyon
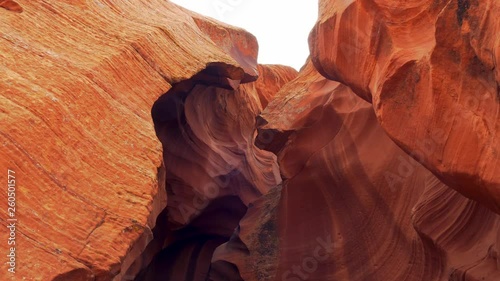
(148,144)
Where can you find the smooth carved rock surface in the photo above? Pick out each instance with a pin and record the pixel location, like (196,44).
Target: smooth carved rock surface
(354,206)
(207,133)
(148,144)
(213,169)
(430,68)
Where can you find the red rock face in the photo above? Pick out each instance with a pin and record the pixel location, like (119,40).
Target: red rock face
(354,206)
(79,80)
(148,144)
(429,69)
(214,171)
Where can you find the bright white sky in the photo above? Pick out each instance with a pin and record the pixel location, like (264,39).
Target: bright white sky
(281,26)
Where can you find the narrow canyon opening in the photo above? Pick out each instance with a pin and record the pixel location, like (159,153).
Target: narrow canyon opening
(213,172)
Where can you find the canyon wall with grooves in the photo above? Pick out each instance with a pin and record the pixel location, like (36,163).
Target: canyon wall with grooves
(355,206)
(430,68)
(149,144)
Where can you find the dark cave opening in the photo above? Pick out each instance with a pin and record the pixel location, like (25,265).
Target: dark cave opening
(182,249)
(186,253)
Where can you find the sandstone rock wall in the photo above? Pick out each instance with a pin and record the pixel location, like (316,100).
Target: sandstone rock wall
(347,185)
(148,144)
(78,82)
(431,70)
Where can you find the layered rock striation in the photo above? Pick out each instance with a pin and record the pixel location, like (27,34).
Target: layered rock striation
(431,70)
(148,144)
(79,81)
(355,206)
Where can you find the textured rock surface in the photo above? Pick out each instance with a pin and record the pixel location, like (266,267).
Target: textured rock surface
(214,171)
(431,70)
(78,81)
(348,183)
(149,145)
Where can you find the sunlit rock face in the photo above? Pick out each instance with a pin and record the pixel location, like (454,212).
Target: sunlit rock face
(149,145)
(79,80)
(430,68)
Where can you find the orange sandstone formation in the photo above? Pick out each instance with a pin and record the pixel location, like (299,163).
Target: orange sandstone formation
(213,169)
(430,68)
(354,206)
(78,82)
(148,144)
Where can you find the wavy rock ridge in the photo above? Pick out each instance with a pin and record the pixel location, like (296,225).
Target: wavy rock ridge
(382,214)
(430,68)
(150,145)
